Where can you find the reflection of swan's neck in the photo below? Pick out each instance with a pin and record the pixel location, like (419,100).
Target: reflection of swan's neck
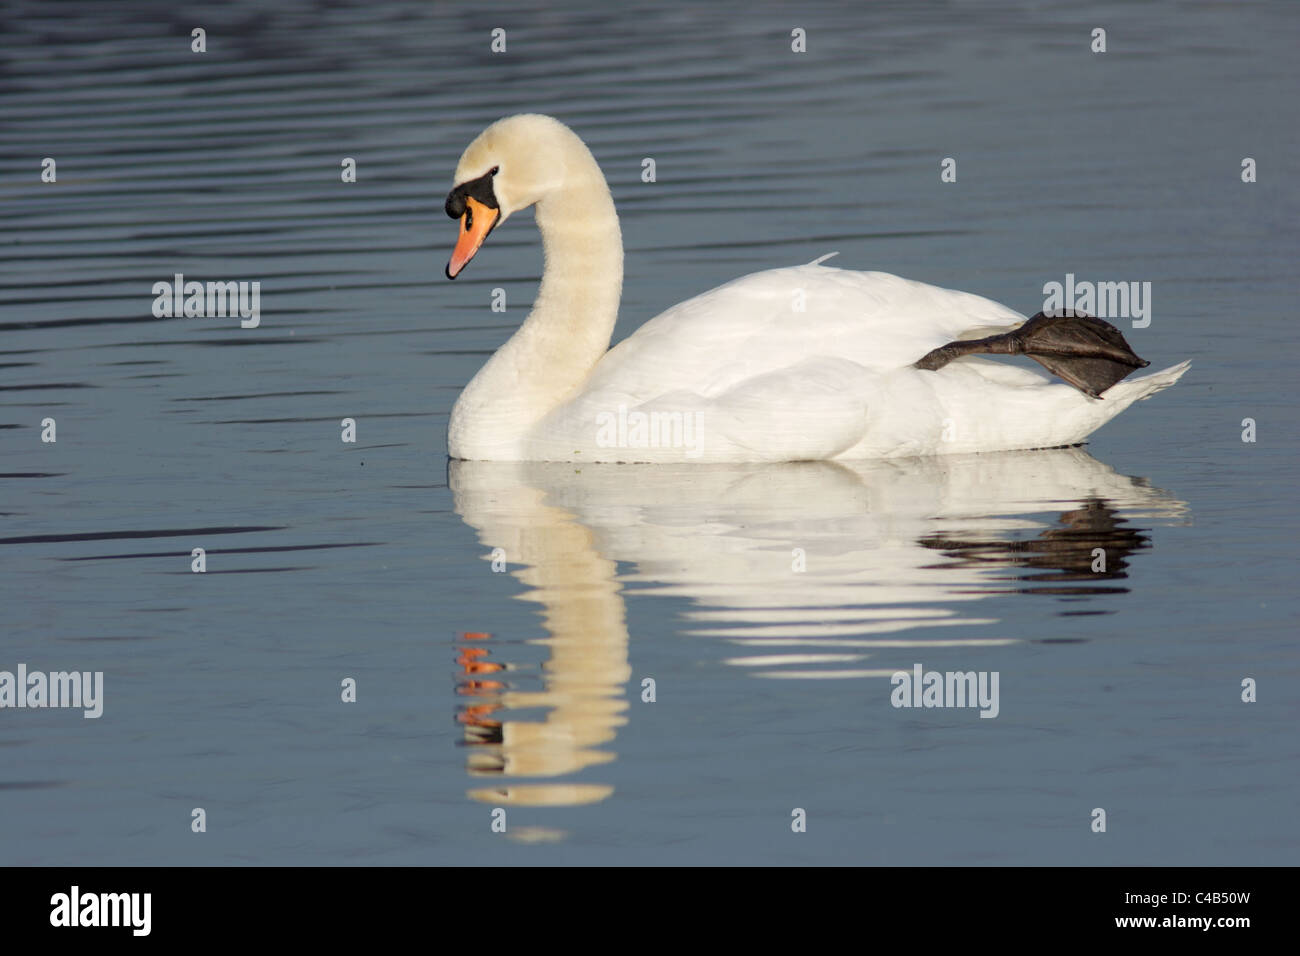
(583,694)
(569,328)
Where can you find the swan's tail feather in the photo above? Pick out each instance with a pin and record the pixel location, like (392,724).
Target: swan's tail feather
(1137,389)
(1118,397)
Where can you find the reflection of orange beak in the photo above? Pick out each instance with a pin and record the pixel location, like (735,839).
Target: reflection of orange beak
(475,225)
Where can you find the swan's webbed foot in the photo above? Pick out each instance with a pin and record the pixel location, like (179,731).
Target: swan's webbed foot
(1088,353)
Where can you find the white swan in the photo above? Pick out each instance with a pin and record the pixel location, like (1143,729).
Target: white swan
(804,363)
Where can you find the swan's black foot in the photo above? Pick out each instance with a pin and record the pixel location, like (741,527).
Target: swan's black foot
(1088,353)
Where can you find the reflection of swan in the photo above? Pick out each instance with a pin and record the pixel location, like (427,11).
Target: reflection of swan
(805,363)
(885,548)
(587,668)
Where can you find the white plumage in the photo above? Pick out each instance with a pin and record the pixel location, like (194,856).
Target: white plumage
(808,362)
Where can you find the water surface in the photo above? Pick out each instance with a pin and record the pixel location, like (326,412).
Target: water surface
(522,690)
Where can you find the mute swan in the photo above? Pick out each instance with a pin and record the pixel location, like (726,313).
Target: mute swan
(803,363)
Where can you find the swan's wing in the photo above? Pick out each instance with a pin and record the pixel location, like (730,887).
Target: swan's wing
(769,321)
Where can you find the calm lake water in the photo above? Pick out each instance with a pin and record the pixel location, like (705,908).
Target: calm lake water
(522,690)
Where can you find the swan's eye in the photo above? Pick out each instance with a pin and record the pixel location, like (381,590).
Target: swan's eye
(494,170)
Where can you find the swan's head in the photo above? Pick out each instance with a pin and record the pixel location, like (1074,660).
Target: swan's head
(511,165)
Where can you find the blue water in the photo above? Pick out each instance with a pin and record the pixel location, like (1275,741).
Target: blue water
(522,689)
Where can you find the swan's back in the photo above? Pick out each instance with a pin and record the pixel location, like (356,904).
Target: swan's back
(780,318)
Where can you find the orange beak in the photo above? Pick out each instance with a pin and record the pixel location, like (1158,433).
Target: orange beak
(475,225)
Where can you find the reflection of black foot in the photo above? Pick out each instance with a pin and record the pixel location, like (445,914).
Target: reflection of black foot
(1060,560)
(1088,353)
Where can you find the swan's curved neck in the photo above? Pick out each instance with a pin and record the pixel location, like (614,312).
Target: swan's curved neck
(565,335)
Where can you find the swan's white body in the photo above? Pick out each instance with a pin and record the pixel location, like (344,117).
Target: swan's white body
(804,363)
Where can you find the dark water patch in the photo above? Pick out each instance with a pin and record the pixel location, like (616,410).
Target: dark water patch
(211,551)
(251,340)
(111,638)
(240,398)
(117,535)
(43,387)
(73,323)
(323,418)
(31,784)
(1060,591)
(247,570)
